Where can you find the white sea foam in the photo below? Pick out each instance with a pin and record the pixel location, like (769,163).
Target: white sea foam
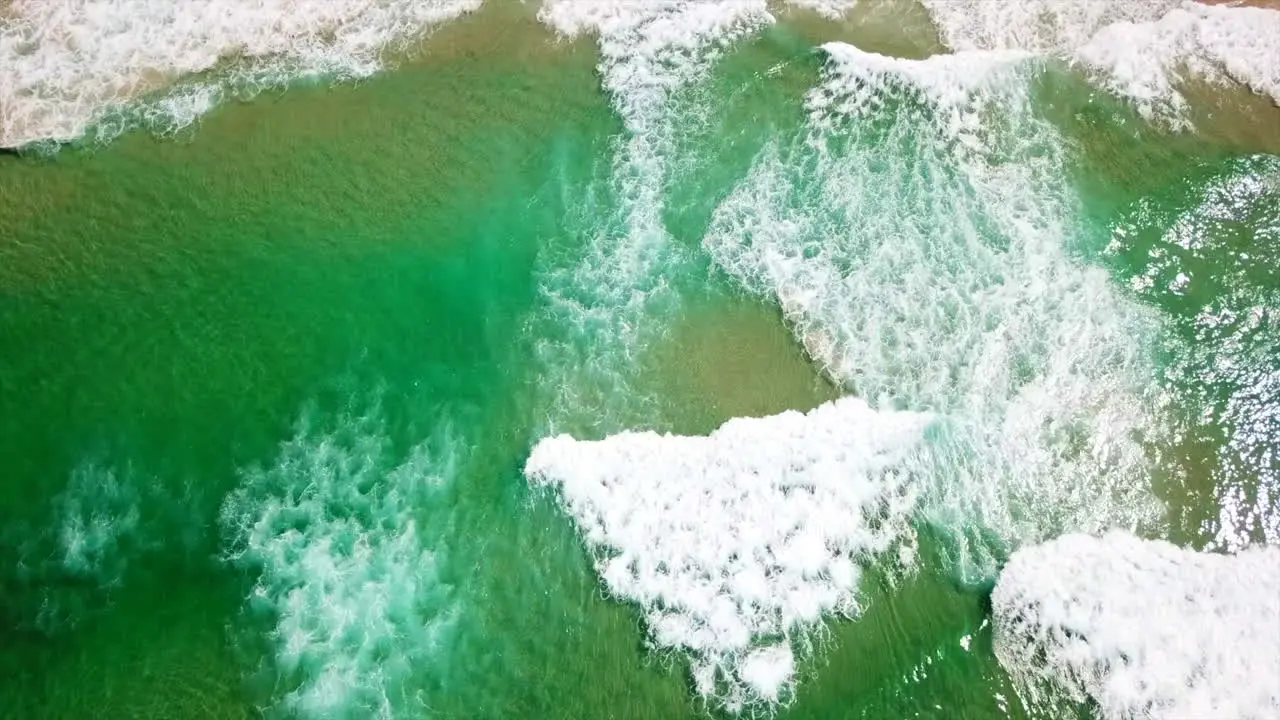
(1041,26)
(1144,61)
(1137,48)
(916,240)
(738,545)
(66,64)
(653,52)
(346,545)
(1143,628)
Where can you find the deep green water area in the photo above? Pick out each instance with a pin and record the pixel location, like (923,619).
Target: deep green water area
(267,386)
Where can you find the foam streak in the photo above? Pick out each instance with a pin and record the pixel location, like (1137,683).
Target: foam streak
(652,52)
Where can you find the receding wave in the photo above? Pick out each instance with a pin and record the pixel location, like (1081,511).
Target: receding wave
(1206,251)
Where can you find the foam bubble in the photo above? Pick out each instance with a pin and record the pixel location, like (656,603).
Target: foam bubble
(737,545)
(346,546)
(1137,48)
(915,237)
(653,53)
(1143,628)
(63,65)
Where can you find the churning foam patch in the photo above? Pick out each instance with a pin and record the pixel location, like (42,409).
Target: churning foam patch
(1039,26)
(98,533)
(1137,48)
(738,545)
(65,65)
(1143,61)
(102,527)
(653,53)
(652,48)
(346,545)
(1143,628)
(915,237)
(99,516)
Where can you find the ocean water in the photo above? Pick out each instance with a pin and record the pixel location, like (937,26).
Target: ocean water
(587,359)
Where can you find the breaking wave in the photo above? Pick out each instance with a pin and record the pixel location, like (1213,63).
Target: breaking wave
(1139,49)
(1143,628)
(916,238)
(737,546)
(67,68)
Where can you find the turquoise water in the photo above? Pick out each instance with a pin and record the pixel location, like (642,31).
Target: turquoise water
(268,385)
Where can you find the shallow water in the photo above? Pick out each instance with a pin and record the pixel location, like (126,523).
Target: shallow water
(268,384)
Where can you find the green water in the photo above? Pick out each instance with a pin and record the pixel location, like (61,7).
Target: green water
(173,310)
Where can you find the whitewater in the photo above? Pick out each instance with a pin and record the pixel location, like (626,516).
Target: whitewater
(1006,403)
(67,66)
(944,285)
(100,66)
